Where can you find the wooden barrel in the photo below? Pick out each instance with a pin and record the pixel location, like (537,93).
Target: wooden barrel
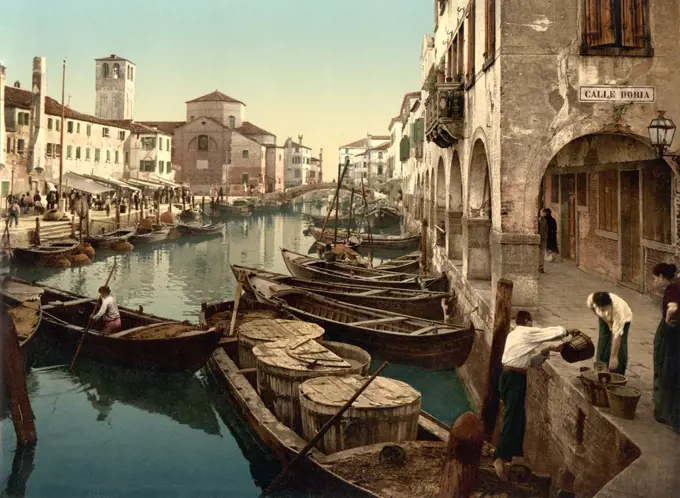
(281,368)
(353,355)
(259,332)
(579,348)
(387,411)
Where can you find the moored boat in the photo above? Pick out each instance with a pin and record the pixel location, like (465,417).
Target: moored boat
(302,266)
(159,233)
(378,241)
(107,239)
(409,263)
(24,308)
(408,340)
(46,251)
(146,341)
(365,470)
(199,230)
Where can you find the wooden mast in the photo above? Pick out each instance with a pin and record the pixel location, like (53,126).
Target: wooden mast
(61,135)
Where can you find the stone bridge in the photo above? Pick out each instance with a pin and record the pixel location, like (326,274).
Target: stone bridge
(294,192)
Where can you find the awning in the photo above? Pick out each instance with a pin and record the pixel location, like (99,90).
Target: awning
(87,185)
(144,183)
(51,187)
(165,182)
(111,182)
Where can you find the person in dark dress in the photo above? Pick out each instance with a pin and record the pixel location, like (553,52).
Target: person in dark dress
(552,232)
(666,392)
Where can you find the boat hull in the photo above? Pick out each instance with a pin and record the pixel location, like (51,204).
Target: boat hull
(152,237)
(45,252)
(109,239)
(376,241)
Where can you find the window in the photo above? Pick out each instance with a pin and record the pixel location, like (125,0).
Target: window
(608,206)
(202,142)
(297,150)
(97,155)
(87,154)
(657,181)
(621,25)
(245,154)
(105,132)
(9,144)
(346,151)
(105,70)
(57,149)
(69,126)
(555,189)
(161,165)
(471,42)
(108,156)
(77,152)
(49,123)
(380,169)
(68,152)
(244,178)
(116,70)
(88,130)
(49,151)
(115,157)
(22,118)
(232,122)
(168,142)
(121,135)
(132,73)
(490,38)
(168,167)
(127,159)
(77,127)
(297,173)
(128,72)
(148,166)
(57,124)
(582,189)
(380,155)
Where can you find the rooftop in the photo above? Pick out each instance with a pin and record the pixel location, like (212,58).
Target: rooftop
(248,128)
(295,144)
(382,146)
(165,126)
(361,144)
(114,57)
(215,96)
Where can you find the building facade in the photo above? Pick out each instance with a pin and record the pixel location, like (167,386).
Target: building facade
(297,163)
(316,168)
(361,160)
(569,131)
(115,88)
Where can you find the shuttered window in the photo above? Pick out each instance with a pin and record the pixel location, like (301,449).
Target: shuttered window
(471,41)
(608,201)
(490,41)
(614,23)
(656,202)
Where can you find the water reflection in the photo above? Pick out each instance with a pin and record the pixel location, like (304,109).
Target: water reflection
(22,467)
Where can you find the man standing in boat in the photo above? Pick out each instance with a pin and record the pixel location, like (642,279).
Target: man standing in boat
(329,256)
(522,350)
(109,312)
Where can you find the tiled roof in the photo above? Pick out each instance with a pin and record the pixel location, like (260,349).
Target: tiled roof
(113,57)
(415,106)
(393,121)
(355,145)
(315,160)
(410,95)
(167,127)
(248,128)
(295,144)
(382,146)
(215,96)
(380,137)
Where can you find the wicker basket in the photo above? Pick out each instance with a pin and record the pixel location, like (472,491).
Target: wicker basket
(623,401)
(595,386)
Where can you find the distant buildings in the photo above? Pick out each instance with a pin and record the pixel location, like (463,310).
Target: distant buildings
(297,163)
(367,157)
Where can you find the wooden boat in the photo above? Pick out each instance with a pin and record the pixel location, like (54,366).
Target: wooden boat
(420,304)
(24,308)
(159,233)
(394,337)
(46,251)
(146,341)
(361,471)
(378,241)
(218,315)
(302,266)
(190,215)
(409,263)
(107,239)
(198,230)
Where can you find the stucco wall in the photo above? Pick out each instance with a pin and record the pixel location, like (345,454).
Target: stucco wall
(253,165)
(217,110)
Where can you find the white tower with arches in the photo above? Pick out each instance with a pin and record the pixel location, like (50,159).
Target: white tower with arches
(115,88)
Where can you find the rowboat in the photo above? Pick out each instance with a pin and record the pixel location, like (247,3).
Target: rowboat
(146,341)
(157,234)
(197,230)
(46,251)
(421,304)
(302,266)
(24,308)
(367,470)
(408,241)
(409,263)
(427,344)
(219,315)
(107,239)
(190,215)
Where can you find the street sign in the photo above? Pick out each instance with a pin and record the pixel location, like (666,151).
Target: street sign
(606,93)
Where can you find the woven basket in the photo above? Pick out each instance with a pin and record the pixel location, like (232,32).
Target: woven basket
(595,386)
(623,401)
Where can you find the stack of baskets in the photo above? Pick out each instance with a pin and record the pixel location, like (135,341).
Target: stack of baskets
(609,390)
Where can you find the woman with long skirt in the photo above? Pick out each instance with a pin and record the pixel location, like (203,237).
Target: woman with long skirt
(667,349)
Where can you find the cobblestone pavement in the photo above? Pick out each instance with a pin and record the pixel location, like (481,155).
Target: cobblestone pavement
(564,290)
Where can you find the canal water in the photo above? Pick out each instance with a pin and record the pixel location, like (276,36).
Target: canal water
(110,432)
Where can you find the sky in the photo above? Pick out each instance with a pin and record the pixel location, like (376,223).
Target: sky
(331,71)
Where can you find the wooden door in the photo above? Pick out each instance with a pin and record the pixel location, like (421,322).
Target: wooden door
(568,216)
(631,264)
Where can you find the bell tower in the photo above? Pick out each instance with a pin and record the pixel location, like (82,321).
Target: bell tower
(115,88)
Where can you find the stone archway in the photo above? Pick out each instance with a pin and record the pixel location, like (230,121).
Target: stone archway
(454,228)
(477,225)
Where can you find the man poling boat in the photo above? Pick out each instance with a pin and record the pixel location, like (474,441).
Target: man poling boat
(108,312)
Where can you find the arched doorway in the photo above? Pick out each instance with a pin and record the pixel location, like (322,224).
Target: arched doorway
(477,262)
(454,228)
(611,197)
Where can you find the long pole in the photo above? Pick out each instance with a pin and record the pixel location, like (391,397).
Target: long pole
(337,193)
(61,134)
(351,204)
(325,428)
(368,223)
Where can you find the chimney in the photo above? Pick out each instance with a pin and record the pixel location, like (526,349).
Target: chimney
(36,147)
(2,116)
(300,139)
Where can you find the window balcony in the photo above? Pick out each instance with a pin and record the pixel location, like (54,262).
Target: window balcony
(445,114)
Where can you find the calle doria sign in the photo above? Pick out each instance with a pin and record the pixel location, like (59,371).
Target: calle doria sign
(605,93)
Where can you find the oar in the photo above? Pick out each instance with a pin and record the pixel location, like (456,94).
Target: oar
(323,430)
(89,322)
(237,299)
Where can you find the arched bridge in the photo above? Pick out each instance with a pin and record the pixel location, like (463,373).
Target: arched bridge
(294,192)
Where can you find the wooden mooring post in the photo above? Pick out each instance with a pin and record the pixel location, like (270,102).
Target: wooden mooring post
(423,248)
(15,382)
(36,234)
(501,329)
(117,216)
(461,457)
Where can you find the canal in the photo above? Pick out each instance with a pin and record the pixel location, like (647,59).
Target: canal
(109,432)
